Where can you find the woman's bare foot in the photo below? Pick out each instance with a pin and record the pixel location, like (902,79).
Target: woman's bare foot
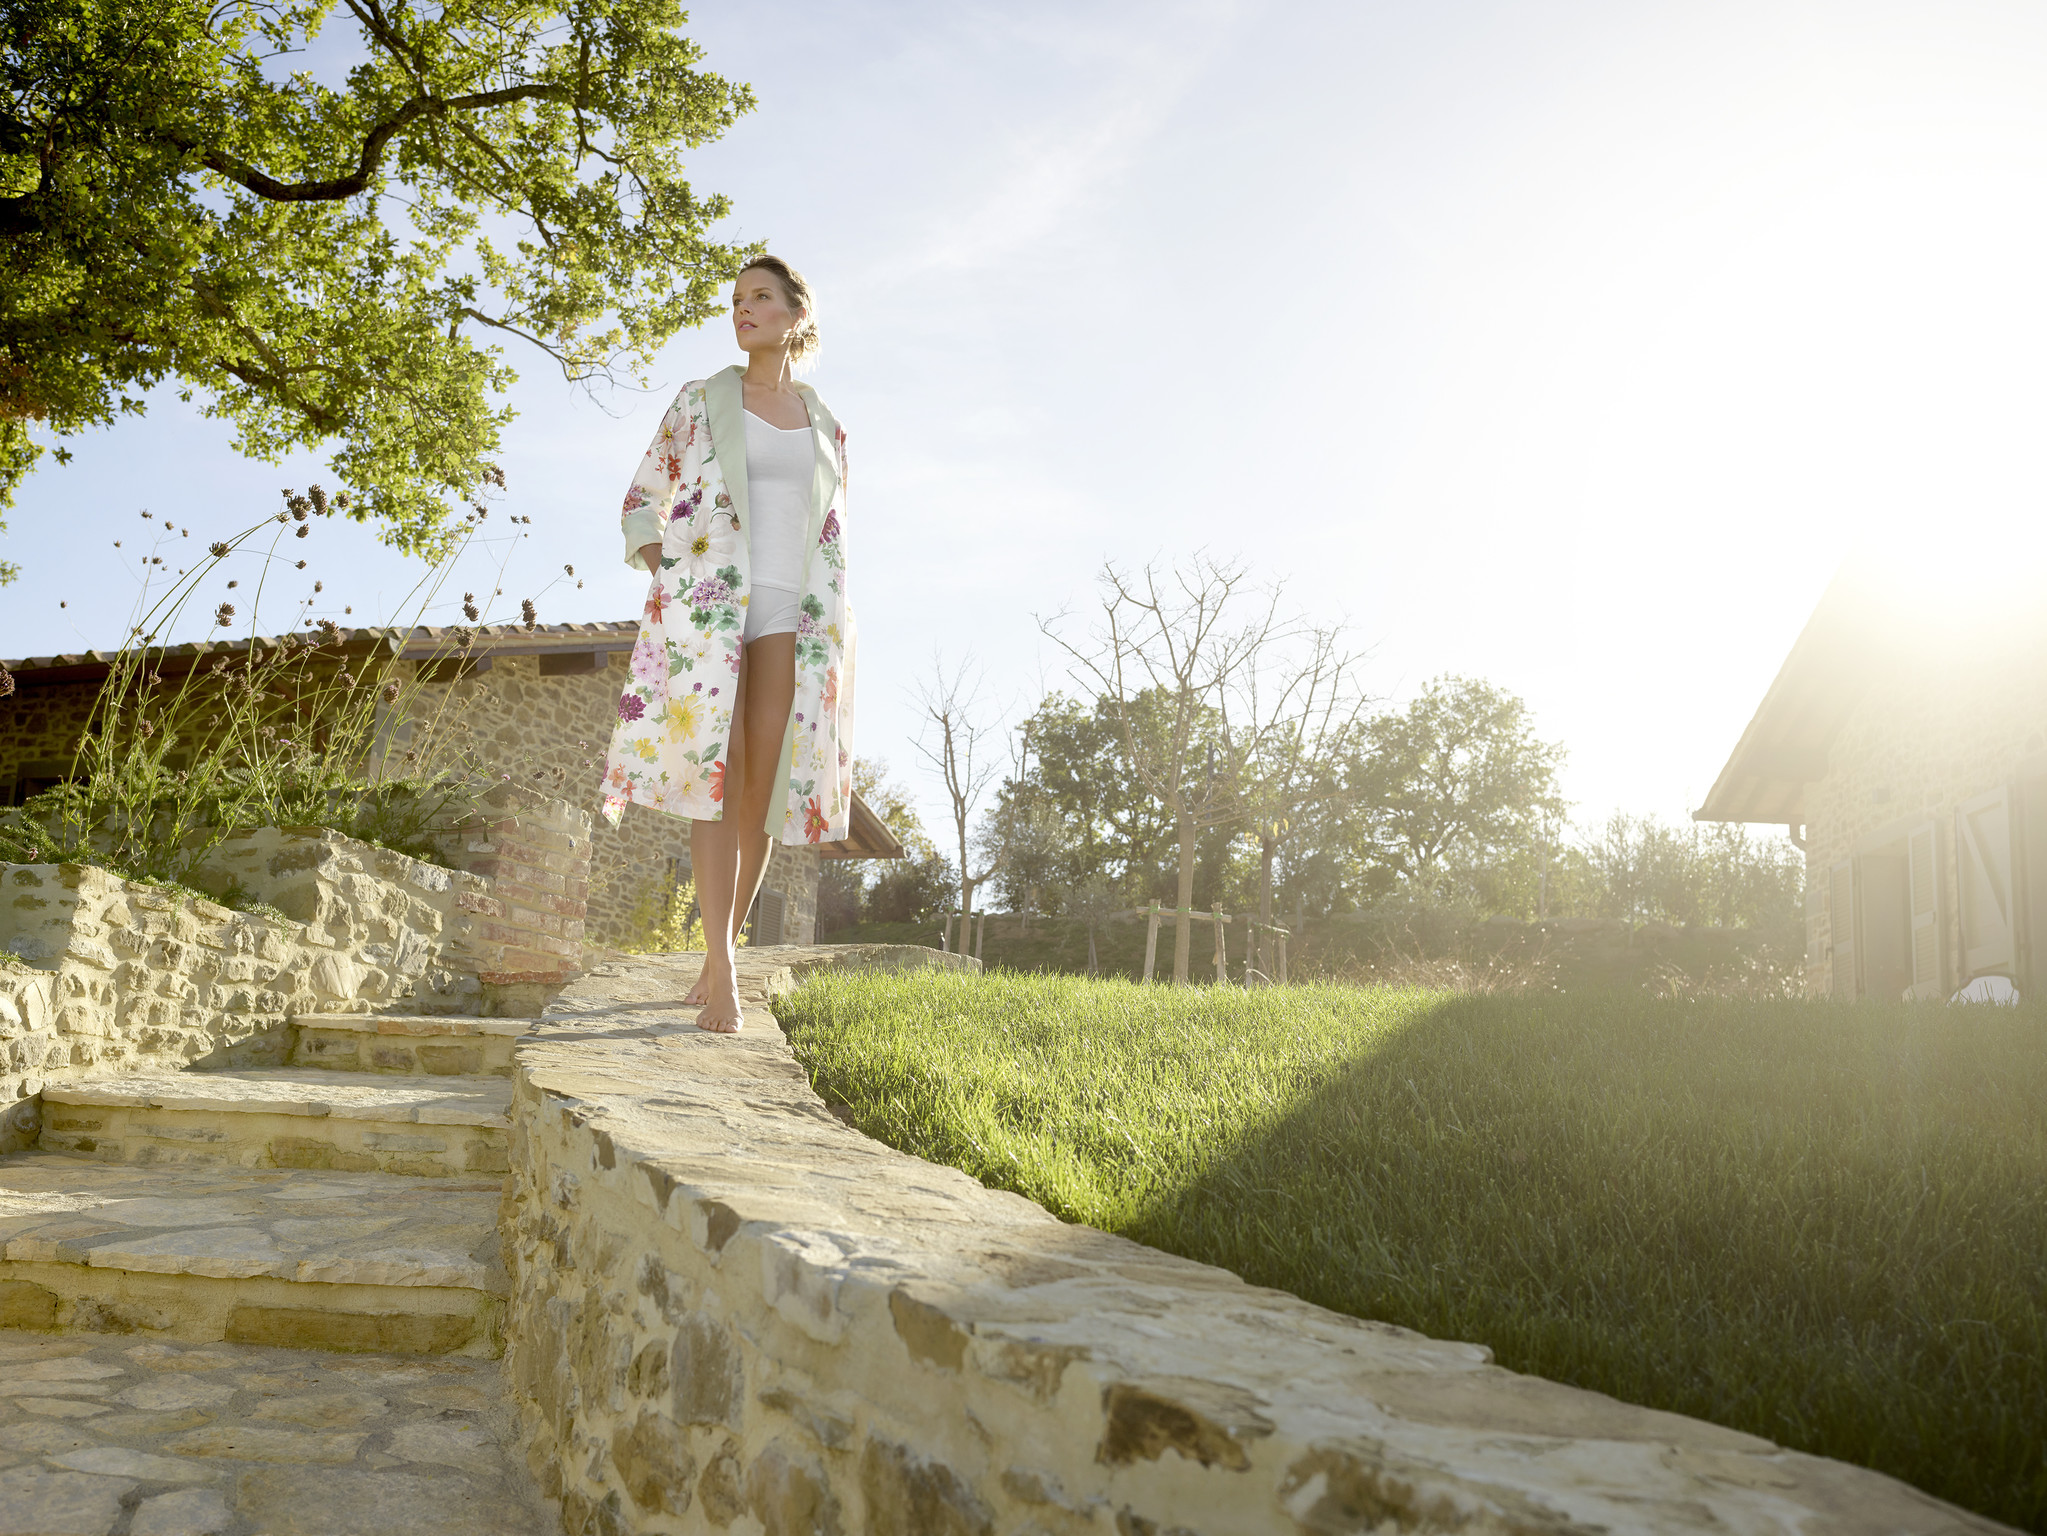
(721,1013)
(699,994)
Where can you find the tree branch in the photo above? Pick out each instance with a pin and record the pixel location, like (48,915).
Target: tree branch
(337,188)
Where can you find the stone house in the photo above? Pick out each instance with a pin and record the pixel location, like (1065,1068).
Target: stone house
(1904,744)
(535,705)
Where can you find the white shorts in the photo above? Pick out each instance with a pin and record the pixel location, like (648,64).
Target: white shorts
(771,611)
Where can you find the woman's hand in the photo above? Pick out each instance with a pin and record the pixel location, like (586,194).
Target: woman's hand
(650,556)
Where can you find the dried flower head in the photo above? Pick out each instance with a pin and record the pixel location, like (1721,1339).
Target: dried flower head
(345,677)
(318,498)
(232,585)
(145,513)
(528,612)
(217,549)
(470,612)
(300,566)
(570,569)
(319,586)
(390,693)
(223,616)
(304,529)
(6,682)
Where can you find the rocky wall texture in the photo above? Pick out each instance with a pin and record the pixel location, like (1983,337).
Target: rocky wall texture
(134,977)
(390,928)
(731,1312)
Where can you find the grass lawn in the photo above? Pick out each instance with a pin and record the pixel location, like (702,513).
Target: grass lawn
(1821,1224)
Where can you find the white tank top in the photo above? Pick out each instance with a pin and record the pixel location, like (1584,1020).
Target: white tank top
(780,465)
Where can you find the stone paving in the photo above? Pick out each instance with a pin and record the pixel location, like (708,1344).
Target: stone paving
(234,1223)
(115,1437)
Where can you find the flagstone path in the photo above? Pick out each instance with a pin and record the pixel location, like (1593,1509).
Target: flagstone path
(100,1436)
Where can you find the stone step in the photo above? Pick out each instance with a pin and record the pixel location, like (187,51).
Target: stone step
(419,1044)
(314,1260)
(443,1127)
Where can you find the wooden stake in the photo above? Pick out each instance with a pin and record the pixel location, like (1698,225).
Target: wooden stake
(1151,944)
(1222,949)
(980,934)
(1282,959)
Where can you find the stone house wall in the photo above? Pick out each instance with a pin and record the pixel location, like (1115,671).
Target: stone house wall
(549,729)
(41,730)
(1926,737)
(540,720)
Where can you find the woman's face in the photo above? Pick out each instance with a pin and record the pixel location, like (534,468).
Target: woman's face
(761,316)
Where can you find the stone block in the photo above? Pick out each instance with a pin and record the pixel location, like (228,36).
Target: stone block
(653,1461)
(791,1495)
(906,1493)
(396,1333)
(24,1304)
(708,1380)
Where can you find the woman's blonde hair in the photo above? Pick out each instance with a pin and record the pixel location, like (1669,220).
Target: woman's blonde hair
(803,338)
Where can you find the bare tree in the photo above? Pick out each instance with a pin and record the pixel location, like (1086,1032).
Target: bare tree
(1167,655)
(954,741)
(1302,710)
(1093,902)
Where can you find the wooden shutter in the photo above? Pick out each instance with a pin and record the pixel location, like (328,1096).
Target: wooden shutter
(766,927)
(1841,923)
(1983,876)
(1922,848)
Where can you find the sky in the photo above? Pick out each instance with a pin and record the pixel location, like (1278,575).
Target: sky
(1570,345)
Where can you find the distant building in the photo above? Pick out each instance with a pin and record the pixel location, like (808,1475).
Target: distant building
(539,706)
(1904,743)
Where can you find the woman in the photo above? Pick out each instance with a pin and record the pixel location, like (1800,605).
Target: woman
(739,714)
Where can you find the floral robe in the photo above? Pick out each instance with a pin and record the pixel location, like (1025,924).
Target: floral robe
(675,717)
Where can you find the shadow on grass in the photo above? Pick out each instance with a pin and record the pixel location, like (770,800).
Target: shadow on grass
(1823,1225)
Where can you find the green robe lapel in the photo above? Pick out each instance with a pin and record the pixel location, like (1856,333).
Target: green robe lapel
(726,404)
(824,431)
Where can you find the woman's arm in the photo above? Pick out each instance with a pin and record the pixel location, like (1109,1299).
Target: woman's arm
(652,494)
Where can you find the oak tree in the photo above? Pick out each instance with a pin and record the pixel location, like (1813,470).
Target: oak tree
(322,219)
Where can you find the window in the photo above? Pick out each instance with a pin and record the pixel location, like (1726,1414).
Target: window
(765,925)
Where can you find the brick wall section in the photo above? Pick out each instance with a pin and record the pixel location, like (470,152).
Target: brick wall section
(1927,736)
(535,853)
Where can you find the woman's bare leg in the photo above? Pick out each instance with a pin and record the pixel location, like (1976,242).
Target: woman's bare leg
(714,865)
(754,773)
(771,689)
(753,857)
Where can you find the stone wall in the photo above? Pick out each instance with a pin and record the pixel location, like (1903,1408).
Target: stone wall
(388,928)
(550,733)
(128,976)
(1928,735)
(119,976)
(731,1312)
